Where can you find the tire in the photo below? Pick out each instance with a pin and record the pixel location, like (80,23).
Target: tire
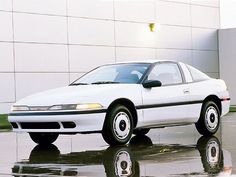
(209,120)
(140,141)
(119,161)
(118,126)
(141,132)
(44,154)
(211,154)
(43,139)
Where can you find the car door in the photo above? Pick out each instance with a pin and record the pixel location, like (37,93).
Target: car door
(166,104)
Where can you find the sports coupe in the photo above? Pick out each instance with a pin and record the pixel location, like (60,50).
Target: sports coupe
(122,99)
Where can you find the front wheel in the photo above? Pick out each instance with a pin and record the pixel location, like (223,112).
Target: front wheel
(118,126)
(44,138)
(209,120)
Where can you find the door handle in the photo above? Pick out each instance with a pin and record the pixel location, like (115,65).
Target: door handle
(186,91)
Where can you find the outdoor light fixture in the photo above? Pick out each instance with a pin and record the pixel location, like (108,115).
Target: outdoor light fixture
(152,27)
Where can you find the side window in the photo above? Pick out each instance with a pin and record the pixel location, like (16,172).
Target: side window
(167,73)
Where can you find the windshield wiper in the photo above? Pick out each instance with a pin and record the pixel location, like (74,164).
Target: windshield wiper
(105,82)
(78,84)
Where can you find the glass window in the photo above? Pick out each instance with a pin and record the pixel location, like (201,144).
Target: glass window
(196,74)
(167,73)
(118,73)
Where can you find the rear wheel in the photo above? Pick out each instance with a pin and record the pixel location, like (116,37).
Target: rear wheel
(211,154)
(118,126)
(44,138)
(209,120)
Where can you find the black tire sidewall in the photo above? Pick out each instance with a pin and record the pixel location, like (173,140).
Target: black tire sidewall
(44,139)
(108,130)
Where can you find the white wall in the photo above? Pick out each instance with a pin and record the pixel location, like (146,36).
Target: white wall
(48,43)
(227,14)
(227,53)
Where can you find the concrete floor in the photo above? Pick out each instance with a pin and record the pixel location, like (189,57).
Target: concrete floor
(176,151)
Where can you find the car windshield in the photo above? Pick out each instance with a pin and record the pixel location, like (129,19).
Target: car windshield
(117,73)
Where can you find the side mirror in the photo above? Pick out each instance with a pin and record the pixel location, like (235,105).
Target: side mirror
(152,83)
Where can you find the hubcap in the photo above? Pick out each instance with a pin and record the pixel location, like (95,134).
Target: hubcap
(212,152)
(123,164)
(211,118)
(121,125)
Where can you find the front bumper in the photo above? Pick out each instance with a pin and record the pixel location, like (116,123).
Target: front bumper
(60,123)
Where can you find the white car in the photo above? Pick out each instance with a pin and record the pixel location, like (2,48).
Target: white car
(122,99)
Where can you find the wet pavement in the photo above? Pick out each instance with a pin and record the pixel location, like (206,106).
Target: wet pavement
(176,151)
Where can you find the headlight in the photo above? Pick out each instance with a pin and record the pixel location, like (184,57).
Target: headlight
(19,108)
(88,106)
(79,107)
(63,107)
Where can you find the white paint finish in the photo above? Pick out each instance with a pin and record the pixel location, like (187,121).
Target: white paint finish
(174,37)
(180,13)
(168,94)
(134,34)
(206,61)
(207,17)
(6,57)
(84,122)
(56,7)
(90,31)
(227,53)
(7,89)
(102,9)
(176,55)
(212,3)
(6,5)
(127,53)
(85,58)
(5,108)
(204,39)
(6,32)
(75,76)
(29,83)
(40,28)
(138,11)
(41,58)
(84,94)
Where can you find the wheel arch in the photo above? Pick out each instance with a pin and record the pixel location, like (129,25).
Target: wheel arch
(215,99)
(127,103)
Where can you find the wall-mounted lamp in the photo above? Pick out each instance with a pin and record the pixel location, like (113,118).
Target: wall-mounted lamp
(152,27)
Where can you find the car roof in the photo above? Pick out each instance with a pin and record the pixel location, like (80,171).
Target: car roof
(146,61)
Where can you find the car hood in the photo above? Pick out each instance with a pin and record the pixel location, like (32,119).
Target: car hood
(102,94)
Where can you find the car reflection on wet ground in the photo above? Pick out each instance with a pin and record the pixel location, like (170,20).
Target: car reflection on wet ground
(177,151)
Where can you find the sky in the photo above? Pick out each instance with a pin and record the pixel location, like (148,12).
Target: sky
(228,14)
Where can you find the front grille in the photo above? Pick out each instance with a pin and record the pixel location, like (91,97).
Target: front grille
(40,125)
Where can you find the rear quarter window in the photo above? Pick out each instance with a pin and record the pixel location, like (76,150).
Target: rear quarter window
(196,74)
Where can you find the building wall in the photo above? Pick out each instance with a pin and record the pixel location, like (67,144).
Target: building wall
(227,60)
(49,43)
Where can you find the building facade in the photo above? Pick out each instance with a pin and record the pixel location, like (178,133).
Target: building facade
(227,61)
(48,43)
